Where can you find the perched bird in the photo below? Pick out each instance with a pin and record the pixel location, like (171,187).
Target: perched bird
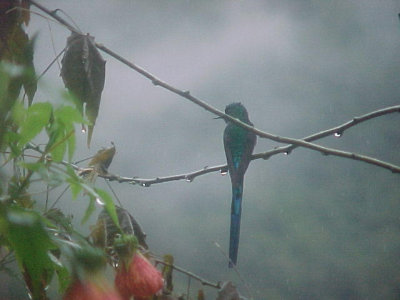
(239,144)
(99,164)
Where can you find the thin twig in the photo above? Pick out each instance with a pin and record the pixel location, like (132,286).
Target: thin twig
(146,182)
(190,274)
(51,63)
(114,193)
(335,131)
(338,130)
(188,287)
(245,284)
(59,197)
(186,94)
(54,15)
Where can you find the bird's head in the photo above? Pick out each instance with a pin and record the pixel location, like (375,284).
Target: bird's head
(238,111)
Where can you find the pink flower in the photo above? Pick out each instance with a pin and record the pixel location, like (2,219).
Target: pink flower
(96,289)
(139,279)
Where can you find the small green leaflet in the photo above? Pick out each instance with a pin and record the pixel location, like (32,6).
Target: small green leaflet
(37,117)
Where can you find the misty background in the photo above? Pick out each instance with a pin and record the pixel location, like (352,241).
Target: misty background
(313,226)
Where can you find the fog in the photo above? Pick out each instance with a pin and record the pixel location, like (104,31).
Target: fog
(313,226)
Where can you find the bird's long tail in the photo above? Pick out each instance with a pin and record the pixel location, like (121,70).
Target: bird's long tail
(236,212)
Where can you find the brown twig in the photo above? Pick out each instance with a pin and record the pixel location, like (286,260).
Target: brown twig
(190,274)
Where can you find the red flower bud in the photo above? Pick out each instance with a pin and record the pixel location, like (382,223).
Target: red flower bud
(90,290)
(139,279)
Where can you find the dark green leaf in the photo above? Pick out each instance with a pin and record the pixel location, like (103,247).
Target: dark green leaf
(83,73)
(74,182)
(32,166)
(90,209)
(109,206)
(59,148)
(75,189)
(18,49)
(105,231)
(71,142)
(29,239)
(64,278)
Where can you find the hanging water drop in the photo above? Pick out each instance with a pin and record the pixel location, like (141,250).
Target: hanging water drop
(224,172)
(99,201)
(338,134)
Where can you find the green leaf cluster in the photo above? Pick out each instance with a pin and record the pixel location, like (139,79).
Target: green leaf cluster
(39,240)
(25,234)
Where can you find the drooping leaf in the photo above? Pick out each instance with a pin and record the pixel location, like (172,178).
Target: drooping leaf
(59,146)
(105,230)
(64,278)
(27,236)
(75,188)
(17,48)
(167,272)
(109,206)
(200,295)
(29,80)
(71,142)
(83,73)
(90,209)
(61,132)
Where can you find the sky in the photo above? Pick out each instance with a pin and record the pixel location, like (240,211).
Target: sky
(310,223)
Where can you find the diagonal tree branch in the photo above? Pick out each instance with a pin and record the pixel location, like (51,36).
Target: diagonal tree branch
(190,274)
(336,131)
(186,94)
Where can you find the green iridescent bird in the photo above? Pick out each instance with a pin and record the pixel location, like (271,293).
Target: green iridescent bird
(239,144)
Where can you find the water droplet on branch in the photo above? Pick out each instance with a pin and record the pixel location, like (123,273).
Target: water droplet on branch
(338,134)
(99,201)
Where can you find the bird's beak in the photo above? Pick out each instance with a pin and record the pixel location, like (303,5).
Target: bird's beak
(216,118)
